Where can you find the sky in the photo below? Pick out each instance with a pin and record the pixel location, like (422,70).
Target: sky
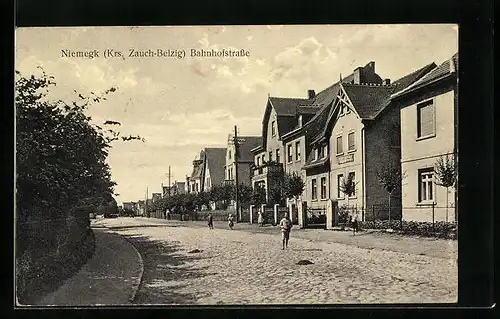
(180,106)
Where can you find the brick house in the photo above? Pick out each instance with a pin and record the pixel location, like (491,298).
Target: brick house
(428,111)
(359,136)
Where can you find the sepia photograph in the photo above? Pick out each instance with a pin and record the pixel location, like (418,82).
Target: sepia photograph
(236,165)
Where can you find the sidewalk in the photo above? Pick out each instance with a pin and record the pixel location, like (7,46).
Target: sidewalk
(110,277)
(369,239)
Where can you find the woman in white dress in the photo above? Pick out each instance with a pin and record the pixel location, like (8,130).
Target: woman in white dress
(260,219)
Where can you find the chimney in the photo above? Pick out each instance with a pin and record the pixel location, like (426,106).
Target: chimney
(357,76)
(311,94)
(386,82)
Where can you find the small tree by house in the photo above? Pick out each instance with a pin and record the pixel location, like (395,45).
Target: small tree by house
(348,187)
(258,195)
(445,170)
(244,195)
(390,178)
(293,186)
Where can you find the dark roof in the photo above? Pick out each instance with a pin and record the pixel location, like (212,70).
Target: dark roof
(246,144)
(438,72)
(288,106)
(319,162)
(368,100)
(216,160)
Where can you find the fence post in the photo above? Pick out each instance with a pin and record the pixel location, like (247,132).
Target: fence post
(263,211)
(290,212)
(329,214)
(433,218)
(276,213)
(251,213)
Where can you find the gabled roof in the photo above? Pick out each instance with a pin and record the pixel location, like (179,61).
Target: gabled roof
(369,100)
(216,160)
(247,143)
(287,106)
(445,69)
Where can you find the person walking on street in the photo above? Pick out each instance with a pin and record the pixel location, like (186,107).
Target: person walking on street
(355,224)
(230,221)
(260,220)
(210,221)
(286,226)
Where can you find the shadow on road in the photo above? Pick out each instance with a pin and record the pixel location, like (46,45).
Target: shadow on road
(141,226)
(164,272)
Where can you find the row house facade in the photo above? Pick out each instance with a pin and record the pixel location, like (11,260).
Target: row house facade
(281,116)
(428,111)
(244,157)
(352,128)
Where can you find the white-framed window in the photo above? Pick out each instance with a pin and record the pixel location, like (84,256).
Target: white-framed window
(273,128)
(229,153)
(323,187)
(340,178)
(289,153)
(426,117)
(340,148)
(278,155)
(314,189)
(425,185)
(297,151)
(351,144)
(270,155)
(325,151)
(352,175)
(258,160)
(316,152)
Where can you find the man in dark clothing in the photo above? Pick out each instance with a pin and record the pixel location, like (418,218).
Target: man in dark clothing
(210,221)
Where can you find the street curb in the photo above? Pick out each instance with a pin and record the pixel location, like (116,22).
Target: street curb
(137,284)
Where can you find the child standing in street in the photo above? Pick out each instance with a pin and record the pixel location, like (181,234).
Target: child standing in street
(210,220)
(286,227)
(355,224)
(230,221)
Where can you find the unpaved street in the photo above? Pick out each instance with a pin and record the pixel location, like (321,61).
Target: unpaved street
(241,267)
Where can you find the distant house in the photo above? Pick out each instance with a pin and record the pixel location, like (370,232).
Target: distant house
(215,160)
(176,189)
(244,157)
(428,111)
(208,170)
(155,197)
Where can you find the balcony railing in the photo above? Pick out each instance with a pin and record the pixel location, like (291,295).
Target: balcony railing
(268,168)
(229,182)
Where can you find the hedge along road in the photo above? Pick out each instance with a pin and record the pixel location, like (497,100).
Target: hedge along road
(241,267)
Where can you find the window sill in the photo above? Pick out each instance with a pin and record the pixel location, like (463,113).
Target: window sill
(425,137)
(340,154)
(353,197)
(351,151)
(323,199)
(426,203)
(314,200)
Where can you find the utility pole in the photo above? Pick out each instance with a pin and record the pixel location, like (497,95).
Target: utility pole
(236,156)
(169,175)
(146,203)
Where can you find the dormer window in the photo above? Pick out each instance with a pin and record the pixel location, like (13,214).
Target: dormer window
(273,128)
(315,154)
(300,121)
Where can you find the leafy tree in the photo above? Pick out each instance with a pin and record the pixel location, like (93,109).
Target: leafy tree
(60,163)
(202,199)
(348,187)
(445,169)
(258,195)
(293,186)
(276,189)
(245,194)
(390,178)
(220,195)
